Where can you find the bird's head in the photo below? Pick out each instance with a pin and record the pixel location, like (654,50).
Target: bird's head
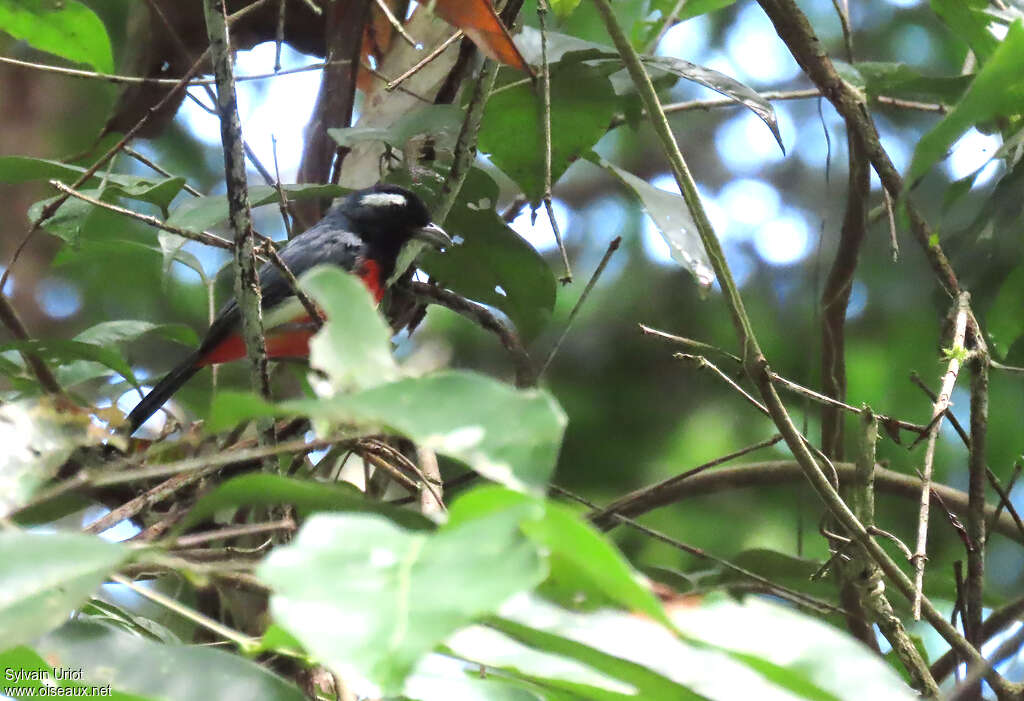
(389,216)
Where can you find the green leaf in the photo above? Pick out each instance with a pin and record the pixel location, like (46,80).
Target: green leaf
(100,611)
(597,566)
(694,8)
(507,435)
(307,496)
(69,219)
(1005,322)
(564,8)
(159,191)
(354,346)
(393,594)
(968,21)
(493,256)
(202,213)
(171,672)
(441,123)
(997,90)
(647,683)
(438,678)
(582,106)
(59,352)
(25,661)
(45,576)
(66,28)
(723,84)
(672,218)
(608,655)
(107,333)
(813,659)
(37,439)
(902,81)
(565,51)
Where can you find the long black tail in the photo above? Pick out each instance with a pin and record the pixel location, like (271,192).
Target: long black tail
(163,390)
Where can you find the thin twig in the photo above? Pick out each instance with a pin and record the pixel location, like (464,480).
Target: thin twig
(894,243)
(382,5)
(203,237)
(159,169)
(437,51)
(483,317)
(545,96)
(792,594)
(170,82)
(244,642)
(647,498)
(938,409)
(612,247)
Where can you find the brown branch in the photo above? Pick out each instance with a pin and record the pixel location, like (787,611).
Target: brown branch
(648,498)
(12,322)
(975,581)
(835,298)
(343,29)
(780,472)
(247,284)
(482,317)
(996,623)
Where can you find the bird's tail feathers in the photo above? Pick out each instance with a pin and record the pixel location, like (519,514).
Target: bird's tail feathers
(163,390)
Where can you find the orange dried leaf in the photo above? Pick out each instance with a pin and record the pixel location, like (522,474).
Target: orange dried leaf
(477,19)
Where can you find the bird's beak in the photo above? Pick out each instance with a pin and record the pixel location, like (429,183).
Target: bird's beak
(434,235)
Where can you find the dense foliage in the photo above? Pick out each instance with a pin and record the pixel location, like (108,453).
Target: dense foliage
(505,483)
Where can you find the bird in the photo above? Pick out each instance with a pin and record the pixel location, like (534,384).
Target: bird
(363,233)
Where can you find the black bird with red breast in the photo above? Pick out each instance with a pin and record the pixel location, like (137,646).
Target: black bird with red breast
(363,234)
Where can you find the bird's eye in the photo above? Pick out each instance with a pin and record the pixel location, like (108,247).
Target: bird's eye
(383,199)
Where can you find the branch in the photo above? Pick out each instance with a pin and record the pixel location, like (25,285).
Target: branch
(343,29)
(485,319)
(10,319)
(938,409)
(247,284)
(975,581)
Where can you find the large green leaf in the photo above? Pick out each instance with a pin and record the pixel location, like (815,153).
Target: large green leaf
(582,106)
(154,189)
(507,435)
(672,218)
(307,496)
(967,19)
(813,659)
(201,213)
(997,91)
(593,566)
(66,28)
(28,673)
(610,656)
(389,594)
(493,264)
(45,576)
(354,346)
(69,219)
(37,438)
(907,83)
(135,664)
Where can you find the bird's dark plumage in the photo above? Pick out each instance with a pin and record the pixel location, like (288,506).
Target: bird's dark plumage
(362,234)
